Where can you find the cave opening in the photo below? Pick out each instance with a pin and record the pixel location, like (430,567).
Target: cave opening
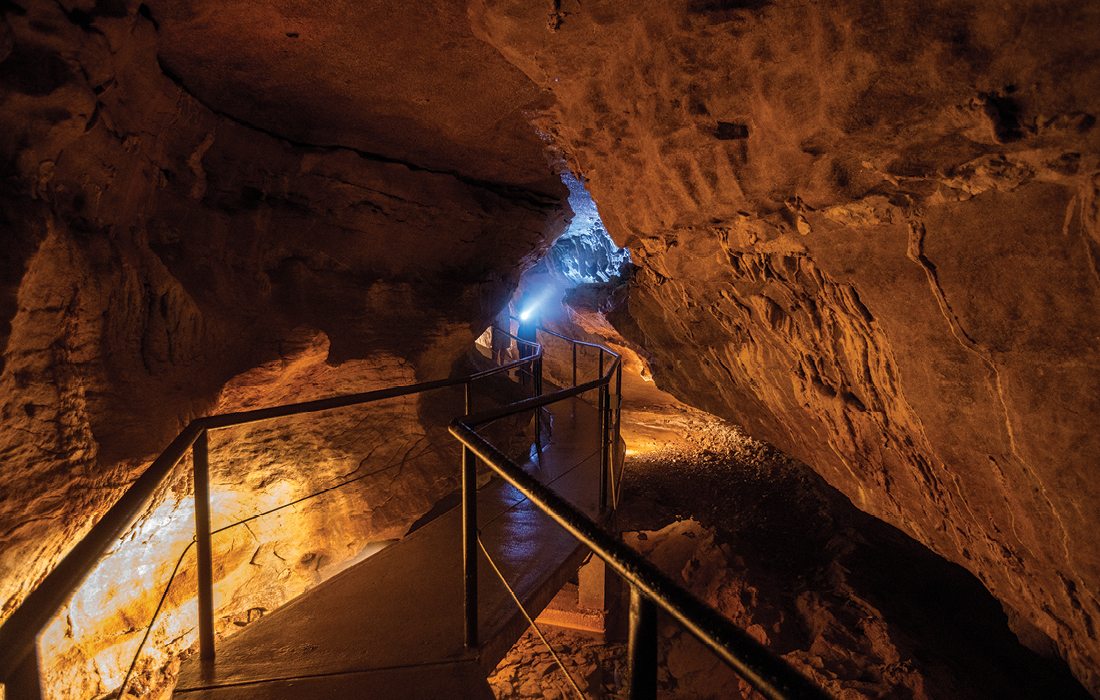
(585,252)
(582,264)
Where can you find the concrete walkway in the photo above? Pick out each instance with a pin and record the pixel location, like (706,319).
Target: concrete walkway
(392,626)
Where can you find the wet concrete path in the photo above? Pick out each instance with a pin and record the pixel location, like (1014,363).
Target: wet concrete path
(392,626)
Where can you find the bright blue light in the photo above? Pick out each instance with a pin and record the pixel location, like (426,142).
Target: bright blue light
(585,253)
(534,301)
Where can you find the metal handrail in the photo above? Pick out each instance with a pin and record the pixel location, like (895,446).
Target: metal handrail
(18,658)
(574,341)
(650,588)
(332,487)
(610,417)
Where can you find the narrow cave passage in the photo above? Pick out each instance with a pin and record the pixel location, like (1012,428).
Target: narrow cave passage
(858,605)
(583,262)
(857,328)
(585,253)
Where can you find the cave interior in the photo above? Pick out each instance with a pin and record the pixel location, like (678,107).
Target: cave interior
(796,303)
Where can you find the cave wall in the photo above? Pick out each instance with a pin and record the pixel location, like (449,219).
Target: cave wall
(870,235)
(154,246)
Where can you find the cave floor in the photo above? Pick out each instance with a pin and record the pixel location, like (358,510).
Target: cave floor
(392,625)
(852,602)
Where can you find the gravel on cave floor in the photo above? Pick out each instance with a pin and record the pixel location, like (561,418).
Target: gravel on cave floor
(708,449)
(852,602)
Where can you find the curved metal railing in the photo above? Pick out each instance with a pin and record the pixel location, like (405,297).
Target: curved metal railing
(19,667)
(650,588)
(609,407)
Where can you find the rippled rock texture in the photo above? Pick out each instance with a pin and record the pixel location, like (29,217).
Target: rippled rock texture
(870,235)
(160,239)
(295,500)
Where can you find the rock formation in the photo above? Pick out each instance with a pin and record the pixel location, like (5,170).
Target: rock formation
(159,240)
(869,234)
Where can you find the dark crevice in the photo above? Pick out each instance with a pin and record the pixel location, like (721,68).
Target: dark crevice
(705,6)
(1004,112)
(85,19)
(7,6)
(443,505)
(80,18)
(728,131)
(145,12)
(34,70)
(505,191)
(94,119)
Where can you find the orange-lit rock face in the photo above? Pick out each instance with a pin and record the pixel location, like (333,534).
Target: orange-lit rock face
(388,464)
(869,235)
(154,248)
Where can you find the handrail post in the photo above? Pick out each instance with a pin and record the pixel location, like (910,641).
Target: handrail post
(605,405)
(609,447)
(469,546)
(616,430)
(602,405)
(574,364)
(538,411)
(618,403)
(201,463)
(605,423)
(469,399)
(642,646)
(26,682)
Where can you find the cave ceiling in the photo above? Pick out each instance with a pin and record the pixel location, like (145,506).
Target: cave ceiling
(406,81)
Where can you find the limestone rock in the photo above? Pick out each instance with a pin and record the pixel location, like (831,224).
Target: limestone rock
(156,246)
(869,235)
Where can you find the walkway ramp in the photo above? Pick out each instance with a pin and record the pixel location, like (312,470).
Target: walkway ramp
(392,626)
